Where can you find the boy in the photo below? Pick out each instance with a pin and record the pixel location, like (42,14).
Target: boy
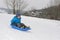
(17,21)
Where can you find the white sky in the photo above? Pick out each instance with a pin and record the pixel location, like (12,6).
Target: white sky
(38,4)
(2,4)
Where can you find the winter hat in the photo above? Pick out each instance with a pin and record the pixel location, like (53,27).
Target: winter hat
(18,14)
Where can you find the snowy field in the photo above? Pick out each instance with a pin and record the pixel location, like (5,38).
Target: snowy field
(42,29)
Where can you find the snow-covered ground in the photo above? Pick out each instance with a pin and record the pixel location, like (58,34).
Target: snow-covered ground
(42,29)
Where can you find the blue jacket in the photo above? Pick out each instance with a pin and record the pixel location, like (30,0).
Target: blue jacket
(16,20)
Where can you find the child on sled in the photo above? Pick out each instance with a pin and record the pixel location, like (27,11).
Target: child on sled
(16,21)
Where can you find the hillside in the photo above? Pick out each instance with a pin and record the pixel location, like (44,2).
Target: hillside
(42,29)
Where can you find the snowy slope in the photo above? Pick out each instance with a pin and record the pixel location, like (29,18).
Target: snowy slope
(42,29)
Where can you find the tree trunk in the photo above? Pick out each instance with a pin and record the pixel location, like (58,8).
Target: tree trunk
(14,11)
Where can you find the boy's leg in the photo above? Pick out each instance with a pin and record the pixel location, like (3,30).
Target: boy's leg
(23,25)
(18,25)
(14,24)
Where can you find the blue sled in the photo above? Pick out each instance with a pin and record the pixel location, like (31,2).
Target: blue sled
(21,29)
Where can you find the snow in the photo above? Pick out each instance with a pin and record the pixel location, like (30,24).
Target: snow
(42,29)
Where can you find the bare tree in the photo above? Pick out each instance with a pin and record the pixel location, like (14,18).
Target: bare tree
(17,6)
(54,2)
